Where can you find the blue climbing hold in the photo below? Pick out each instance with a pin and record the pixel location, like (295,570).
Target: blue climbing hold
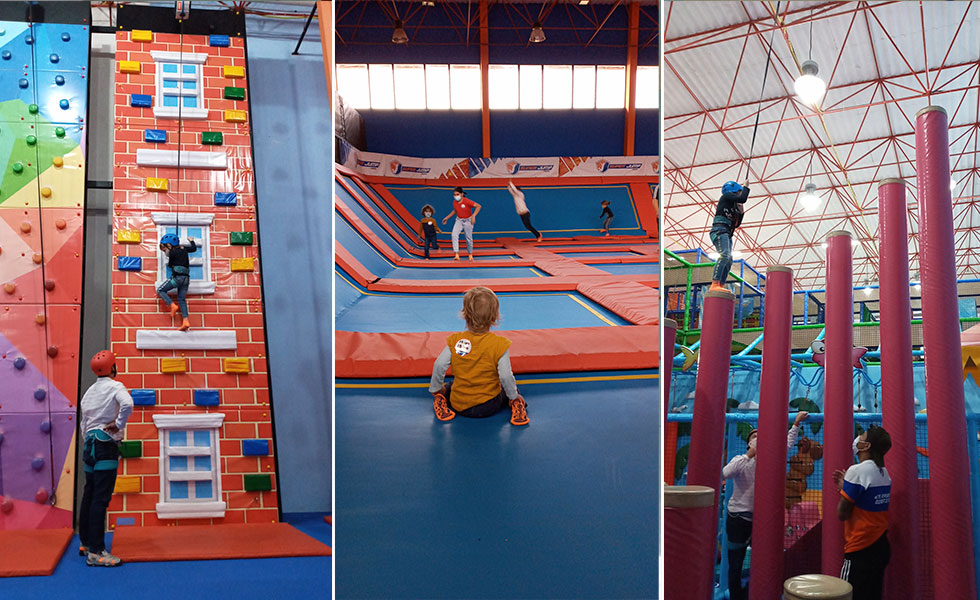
(219,41)
(140,100)
(225,199)
(29,40)
(22,83)
(38,463)
(46,426)
(6,55)
(65,37)
(54,58)
(63,104)
(20,363)
(59,79)
(40,394)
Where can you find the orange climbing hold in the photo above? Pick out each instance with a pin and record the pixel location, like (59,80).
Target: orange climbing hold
(58,161)
(25,227)
(46,192)
(37,258)
(9,288)
(236,365)
(173,365)
(39,319)
(243,264)
(128,484)
(60,223)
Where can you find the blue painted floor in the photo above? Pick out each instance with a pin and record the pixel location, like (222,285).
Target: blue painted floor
(414,313)
(650,268)
(566,507)
(267,578)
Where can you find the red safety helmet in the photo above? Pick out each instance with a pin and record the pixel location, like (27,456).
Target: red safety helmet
(103,362)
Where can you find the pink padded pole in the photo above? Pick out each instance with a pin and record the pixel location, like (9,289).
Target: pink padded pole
(949,468)
(902,577)
(708,425)
(670,337)
(768,526)
(838,405)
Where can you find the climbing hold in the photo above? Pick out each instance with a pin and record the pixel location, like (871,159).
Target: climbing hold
(59,79)
(129,66)
(154,135)
(17,167)
(31,140)
(29,40)
(9,288)
(37,463)
(236,116)
(212,138)
(240,238)
(49,284)
(6,506)
(46,426)
(37,258)
(41,496)
(5,55)
(20,362)
(52,351)
(128,236)
(243,264)
(173,365)
(39,319)
(234,93)
(157,184)
(219,41)
(40,394)
(234,72)
(25,227)
(58,161)
(130,263)
(59,131)
(32,108)
(63,104)
(46,192)
(65,37)
(54,58)
(141,100)
(235,365)
(141,35)
(225,199)
(60,223)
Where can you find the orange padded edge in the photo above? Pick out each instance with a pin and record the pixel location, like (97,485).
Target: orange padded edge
(646,207)
(549,262)
(372,355)
(632,300)
(346,261)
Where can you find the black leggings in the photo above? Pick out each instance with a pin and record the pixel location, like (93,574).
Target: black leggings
(865,569)
(526,218)
(739,532)
(486,409)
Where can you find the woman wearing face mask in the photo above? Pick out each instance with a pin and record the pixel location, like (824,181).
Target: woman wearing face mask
(865,490)
(738,524)
(465,211)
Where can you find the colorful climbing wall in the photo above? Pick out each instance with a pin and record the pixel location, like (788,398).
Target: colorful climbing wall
(43,97)
(199,446)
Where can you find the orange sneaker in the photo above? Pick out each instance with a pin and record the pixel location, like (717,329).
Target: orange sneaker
(441,407)
(185,325)
(717,286)
(173,309)
(518,411)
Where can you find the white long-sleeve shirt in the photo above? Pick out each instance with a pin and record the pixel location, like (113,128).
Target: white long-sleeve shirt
(106,402)
(741,470)
(518,197)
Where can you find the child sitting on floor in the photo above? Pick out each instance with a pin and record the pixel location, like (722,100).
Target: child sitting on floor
(180,275)
(428,229)
(483,382)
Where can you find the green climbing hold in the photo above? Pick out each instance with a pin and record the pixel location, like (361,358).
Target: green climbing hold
(31,140)
(32,108)
(240,238)
(131,449)
(234,93)
(59,131)
(18,168)
(258,483)
(212,138)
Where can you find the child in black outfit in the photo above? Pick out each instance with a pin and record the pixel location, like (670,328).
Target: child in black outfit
(180,275)
(428,229)
(608,214)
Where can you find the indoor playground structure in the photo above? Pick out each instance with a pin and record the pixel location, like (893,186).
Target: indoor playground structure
(198,468)
(853,291)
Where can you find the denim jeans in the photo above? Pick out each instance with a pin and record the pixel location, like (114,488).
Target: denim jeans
(721,237)
(181,282)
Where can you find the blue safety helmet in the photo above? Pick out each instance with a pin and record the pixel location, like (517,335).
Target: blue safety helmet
(731,187)
(170,239)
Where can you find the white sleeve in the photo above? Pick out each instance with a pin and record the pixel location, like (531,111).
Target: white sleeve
(794,433)
(506,375)
(439,369)
(735,466)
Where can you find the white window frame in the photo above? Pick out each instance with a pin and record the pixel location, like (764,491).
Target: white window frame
(202,220)
(190,508)
(180,59)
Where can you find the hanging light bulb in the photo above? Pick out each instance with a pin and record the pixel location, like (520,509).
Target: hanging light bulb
(399,36)
(808,86)
(810,200)
(537,33)
(867,287)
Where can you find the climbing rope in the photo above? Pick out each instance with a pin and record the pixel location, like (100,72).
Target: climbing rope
(758,112)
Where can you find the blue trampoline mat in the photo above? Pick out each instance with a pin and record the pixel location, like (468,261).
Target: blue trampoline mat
(462,273)
(596,254)
(650,268)
(418,313)
(566,507)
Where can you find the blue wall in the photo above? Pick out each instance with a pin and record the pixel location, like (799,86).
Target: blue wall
(292,137)
(423,133)
(557,132)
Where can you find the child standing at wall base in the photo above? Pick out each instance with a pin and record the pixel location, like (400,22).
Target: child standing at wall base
(428,229)
(607,214)
(483,382)
(180,275)
(105,408)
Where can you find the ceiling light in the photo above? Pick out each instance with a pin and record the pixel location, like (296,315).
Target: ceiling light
(537,33)
(867,288)
(429,3)
(583,2)
(810,200)
(399,36)
(808,86)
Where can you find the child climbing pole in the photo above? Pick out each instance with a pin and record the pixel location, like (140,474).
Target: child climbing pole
(728,216)
(180,275)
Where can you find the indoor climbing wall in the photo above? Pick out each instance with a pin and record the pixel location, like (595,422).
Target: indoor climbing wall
(199,445)
(43,95)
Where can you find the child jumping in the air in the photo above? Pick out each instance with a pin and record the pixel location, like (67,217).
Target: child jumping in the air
(522,209)
(180,275)
(428,229)
(106,406)
(465,211)
(607,214)
(483,382)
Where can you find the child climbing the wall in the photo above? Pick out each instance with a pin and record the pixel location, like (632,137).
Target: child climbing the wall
(607,215)
(865,490)
(465,211)
(738,521)
(180,275)
(522,209)
(428,229)
(728,216)
(483,382)
(105,407)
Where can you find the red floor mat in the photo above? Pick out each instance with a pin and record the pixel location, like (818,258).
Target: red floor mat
(32,551)
(213,542)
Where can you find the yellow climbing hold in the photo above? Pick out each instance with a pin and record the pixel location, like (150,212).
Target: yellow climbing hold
(243,264)
(46,192)
(128,484)
(157,184)
(129,66)
(235,116)
(234,72)
(142,35)
(236,365)
(58,161)
(128,236)
(173,365)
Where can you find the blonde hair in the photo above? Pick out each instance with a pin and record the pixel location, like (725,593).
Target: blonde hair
(481,309)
